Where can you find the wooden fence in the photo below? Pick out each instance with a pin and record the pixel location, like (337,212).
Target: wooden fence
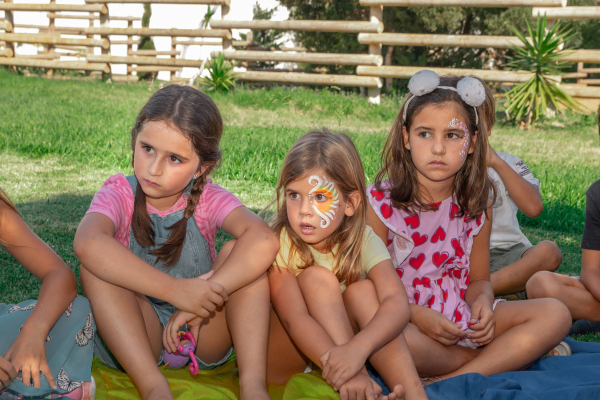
(82,42)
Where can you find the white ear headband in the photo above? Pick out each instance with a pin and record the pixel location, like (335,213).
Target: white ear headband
(470,90)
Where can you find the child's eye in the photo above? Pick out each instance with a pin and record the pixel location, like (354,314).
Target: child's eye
(148,149)
(424,134)
(294,196)
(320,197)
(453,135)
(174,159)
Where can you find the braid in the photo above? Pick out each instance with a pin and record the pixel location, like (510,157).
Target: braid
(143,227)
(170,252)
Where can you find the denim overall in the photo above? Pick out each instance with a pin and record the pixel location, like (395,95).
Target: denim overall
(194,261)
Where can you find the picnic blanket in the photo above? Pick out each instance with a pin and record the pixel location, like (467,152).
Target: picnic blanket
(552,378)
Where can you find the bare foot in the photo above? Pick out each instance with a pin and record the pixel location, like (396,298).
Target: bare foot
(254,391)
(159,393)
(396,394)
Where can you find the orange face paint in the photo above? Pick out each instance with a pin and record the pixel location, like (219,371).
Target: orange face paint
(324,199)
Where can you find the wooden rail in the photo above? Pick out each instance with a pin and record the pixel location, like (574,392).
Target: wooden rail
(486,75)
(590,81)
(153,53)
(585,56)
(308,58)
(127,42)
(465,3)
(166,62)
(149,68)
(52,39)
(72,65)
(576,13)
(304,25)
(89,17)
(7,26)
(310,79)
(412,39)
(581,91)
(201,2)
(101,8)
(6,53)
(215,33)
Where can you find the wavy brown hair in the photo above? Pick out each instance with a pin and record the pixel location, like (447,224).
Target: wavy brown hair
(336,155)
(194,115)
(472,185)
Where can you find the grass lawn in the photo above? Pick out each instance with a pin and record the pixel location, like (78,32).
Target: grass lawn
(59,140)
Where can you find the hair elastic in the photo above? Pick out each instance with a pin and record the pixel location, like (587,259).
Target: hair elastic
(470,90)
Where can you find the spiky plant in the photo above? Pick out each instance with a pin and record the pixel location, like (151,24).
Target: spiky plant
(220,75)
(542,56)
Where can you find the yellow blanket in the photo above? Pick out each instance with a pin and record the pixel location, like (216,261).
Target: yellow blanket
(218,384)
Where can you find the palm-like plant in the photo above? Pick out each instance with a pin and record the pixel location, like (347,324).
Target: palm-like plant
(220,75)
(542,56)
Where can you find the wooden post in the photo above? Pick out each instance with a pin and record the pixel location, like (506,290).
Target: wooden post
(8,17)
(579,69)
(173,48)
(90,50)
(50,72)
(374,93)
(227,43)
(104,23)
(129,46)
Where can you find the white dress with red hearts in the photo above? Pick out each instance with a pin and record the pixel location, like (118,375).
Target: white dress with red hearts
(430,251)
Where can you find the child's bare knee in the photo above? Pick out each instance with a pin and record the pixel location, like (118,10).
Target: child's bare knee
(317,275)
(359,291)
(542,284)
(558,312)
(552,256)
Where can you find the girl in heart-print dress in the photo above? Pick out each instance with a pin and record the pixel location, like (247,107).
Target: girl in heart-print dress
(431,254)
(430,202)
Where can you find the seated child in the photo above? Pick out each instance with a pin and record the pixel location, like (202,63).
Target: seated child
(513,260)
(45,345)
(581,295)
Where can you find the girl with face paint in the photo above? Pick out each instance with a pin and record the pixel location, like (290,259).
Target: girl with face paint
(429,203)
(336,297)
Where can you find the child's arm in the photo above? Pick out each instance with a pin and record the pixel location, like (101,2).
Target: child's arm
(526,196)
(480,294)
(253,253)
(590,271)
(429,321)
(392,316)
(59,288)
(590,243)
(102,255)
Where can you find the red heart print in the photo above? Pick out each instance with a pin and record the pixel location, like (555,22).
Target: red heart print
(457,315)
(417,261)
(457,249)
(430,301)
(462,293)
(400,272)
(416,296)
(439,282)
(450,260)
(457,272)
(454,211)
(439,234)
(469,232)
(478,220)
(412,221)
(386,211)
(466,219)
(442,310)
(435,206)
(439,258)
(426,282)
(389,242)
(445,295)
(377,194)
(418,239)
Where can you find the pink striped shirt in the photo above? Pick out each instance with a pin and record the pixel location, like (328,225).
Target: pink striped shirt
(115,200)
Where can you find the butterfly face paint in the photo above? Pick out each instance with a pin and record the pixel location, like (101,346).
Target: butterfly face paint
(455,123)
(324,199)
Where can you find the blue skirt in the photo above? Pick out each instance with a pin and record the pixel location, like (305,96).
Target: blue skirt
(69,346)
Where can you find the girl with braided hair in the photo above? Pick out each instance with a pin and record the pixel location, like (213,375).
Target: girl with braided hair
(147,249)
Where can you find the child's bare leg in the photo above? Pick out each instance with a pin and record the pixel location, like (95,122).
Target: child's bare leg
(393,361)
(244,321)
(580,302)
(544,256)
(284,358)
(525,331)
(130,328)
(433,358)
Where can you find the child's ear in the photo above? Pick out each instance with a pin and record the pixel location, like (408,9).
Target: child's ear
(352,203)
(405,136)
(472,148)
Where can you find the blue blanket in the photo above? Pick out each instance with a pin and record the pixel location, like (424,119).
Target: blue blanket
(551,378)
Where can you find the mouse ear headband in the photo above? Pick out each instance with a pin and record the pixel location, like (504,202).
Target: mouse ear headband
(470,90)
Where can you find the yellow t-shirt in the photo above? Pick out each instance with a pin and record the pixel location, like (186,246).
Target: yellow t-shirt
(372,253)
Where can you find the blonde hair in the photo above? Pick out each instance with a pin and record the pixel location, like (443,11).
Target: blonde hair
(336,155)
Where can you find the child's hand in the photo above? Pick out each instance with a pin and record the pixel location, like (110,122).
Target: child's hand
(177,320)
(341,363)
(483,322)
(8,373)
(360,387)
(28,355)
(199,296)
(437,326)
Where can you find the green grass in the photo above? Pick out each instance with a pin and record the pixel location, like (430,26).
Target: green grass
(59,140)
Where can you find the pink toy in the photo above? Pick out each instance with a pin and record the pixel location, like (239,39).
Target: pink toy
(184,353)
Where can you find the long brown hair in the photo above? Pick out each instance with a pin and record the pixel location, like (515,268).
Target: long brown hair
(196,117)
(472,185)
(336,155)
